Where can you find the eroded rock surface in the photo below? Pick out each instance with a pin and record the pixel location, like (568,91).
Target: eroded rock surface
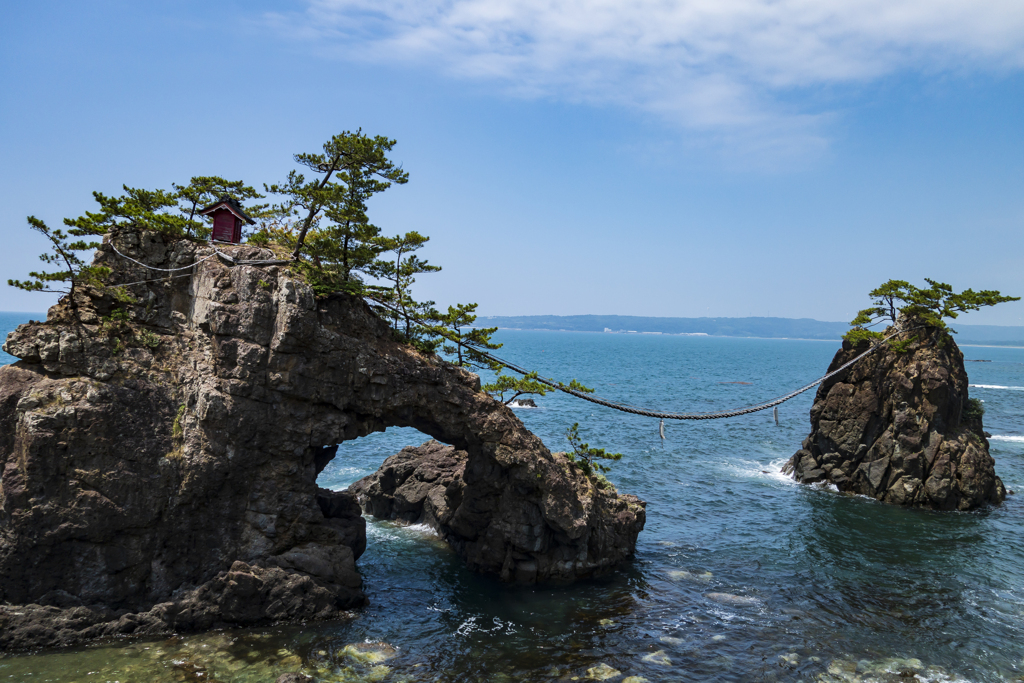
(426,484)
(158,457)
(898,427)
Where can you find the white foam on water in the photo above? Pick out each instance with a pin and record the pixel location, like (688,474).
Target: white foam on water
(996,386)
(1007,437)
(756,470)
(520,406)
(389,530)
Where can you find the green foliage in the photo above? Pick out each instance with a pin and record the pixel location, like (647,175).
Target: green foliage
(148,339)
(400,270)
(177,430)
(898,299)
(202,191)
(71,269)
(588,455)
(172,213)
(137,208)
(974,409)
(454,327)
(857,335)
(516,386)
(352,168)
(122,296)
(903,345)
(573,385)
(118,325)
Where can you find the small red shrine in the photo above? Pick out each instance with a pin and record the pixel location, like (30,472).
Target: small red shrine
(227,220)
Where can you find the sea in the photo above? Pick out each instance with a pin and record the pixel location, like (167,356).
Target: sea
(741,574)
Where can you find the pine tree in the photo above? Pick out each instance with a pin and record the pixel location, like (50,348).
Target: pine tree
(71,269)
(898,299)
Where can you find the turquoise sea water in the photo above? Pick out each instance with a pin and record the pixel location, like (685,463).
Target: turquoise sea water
(740,575)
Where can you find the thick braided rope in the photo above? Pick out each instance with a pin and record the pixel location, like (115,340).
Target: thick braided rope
(162,270)
(687,416)
(558,386)
(690,416)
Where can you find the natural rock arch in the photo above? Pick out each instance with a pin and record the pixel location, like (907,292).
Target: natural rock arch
(164,476)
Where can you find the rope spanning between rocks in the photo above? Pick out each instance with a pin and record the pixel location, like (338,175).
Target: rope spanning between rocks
(558,386)
(216,252)
(689,416)
(163,270)
(633,410)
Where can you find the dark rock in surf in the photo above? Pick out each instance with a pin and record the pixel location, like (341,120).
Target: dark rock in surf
(159,474)
(425,485)
(899,427)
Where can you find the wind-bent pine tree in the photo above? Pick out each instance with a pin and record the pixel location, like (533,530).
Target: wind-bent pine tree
(462,340)
(351,168)
(515,387)
(71,269)
(896,300)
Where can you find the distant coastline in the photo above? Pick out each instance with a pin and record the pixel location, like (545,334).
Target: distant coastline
(753,327)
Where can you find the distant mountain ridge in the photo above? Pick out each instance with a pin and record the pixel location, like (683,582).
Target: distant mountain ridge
(772,328)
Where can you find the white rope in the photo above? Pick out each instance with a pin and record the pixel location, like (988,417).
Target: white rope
(162,270)
(216,252)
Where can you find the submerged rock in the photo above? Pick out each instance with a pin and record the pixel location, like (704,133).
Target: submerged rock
(731,599)
(293,678)
(899,427)
(428,484)
(159,453)
(659,658)
(602,672)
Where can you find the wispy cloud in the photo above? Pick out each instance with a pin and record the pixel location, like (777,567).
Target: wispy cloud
(721,66)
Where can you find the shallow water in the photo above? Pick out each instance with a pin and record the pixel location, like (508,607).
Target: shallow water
(740,575)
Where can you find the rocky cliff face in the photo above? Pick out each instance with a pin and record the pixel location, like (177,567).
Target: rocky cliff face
(898,427)
(420,485)
(159,453)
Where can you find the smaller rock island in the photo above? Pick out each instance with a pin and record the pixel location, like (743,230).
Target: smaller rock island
(901,427)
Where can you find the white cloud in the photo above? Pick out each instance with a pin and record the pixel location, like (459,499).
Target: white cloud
(720,66)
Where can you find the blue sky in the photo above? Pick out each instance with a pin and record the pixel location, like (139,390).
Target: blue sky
(711,157)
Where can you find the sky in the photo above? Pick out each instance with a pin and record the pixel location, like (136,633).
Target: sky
(719,158)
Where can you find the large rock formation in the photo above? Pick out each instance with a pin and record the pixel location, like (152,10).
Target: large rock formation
(420,485)
(899,426)
(159,453)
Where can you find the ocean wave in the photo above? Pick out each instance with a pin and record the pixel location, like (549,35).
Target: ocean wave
(996,386)
(756,470)
(1006,437)
(517,404)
